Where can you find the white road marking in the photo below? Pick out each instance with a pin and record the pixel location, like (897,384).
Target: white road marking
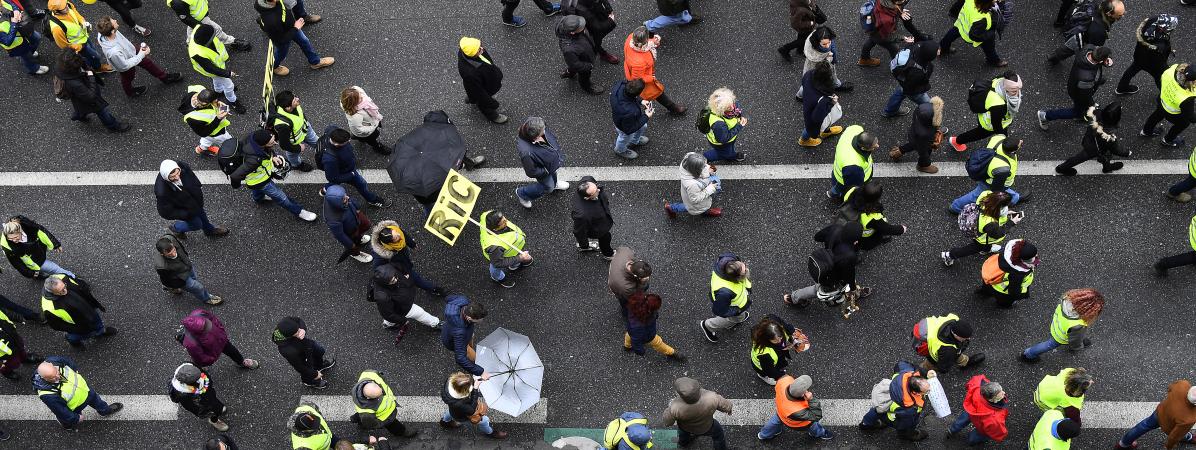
(622,173)
(338,408)
(137,407)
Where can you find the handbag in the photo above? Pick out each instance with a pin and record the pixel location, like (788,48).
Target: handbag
(833,116)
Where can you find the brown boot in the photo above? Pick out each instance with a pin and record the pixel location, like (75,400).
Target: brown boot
(324,62)
(282,71)
(869,62)
(895,153)
(931,169)
(811,142)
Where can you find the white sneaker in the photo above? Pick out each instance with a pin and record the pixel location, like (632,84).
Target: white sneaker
(526,203)
(947,259)
(41,70)
(36,54)
(365,239)
(363,257)
(1042,120)
(561,185)
(769,380)
(307,216)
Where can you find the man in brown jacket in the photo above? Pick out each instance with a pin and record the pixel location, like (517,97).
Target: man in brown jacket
(627,275)
(693,412)
(1175,415)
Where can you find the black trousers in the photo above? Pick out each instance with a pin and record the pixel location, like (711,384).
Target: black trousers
(508,8)
(666,102)
(974,134)
(372,139)
(598,35)
(969,249)
(1155,75)
(231,351)
(395,428)
(125,9)
(1179,123)
(583,241)
(1003,300)
(490,113)
(1182,259)
(1082,156)
(921,148)
(583,78)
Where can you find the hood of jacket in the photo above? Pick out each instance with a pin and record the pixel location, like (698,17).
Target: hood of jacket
(688,389)
(1097,127)
(437,116)
(721,263)
(1007,262)
(361,400)
(334,199)
(261,5)
(452,312)
(166,167)
(376,239)
(925,52)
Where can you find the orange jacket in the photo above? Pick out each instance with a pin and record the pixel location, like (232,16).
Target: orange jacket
(642,65)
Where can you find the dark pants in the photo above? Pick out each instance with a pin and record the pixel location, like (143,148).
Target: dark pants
(974,134)
(231,351)
(372,139)
(126,77)
(124,8)
(1082,156)
(874,40)
(1080,101)
(17,357)
(1003,300)
(989,47)
(1065,8)
(923,150)
(1182,259)
(583,78)
(1155,75)
(508,8)
(583,241)
(1179,123)
(1061,53)
(316,361)
(1182,186)
(598,35)
(395,428)
(969,249)
(716,433)
(19,309)
(25,53)
(666,102)
(105,116)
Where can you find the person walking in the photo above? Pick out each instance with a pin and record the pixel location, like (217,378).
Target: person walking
(303,353)
(1087,75)
(210,59)
(456,333)
(12,349)
(365,118)
(925,135)
(348,224)
(1053,431)
(284,25)
(1151,52)
(578,49)
(985,407)
(295,133)
(221,442)
(1001,171)
(541,156)
(630,115)
(80,85)
(820,47)
(599,18)
(207,117)
(179,197)
(724,122)
(19,37)
(195,12)
(672,13)
(176,272)
(1095,32)
(912,69)
(503,245)
(821,109)
(481,78)
(642,312)
(511,20)
(1001,103)
(69,306)
(204,337)
(772,339)
(901,407)
(124,8)
(26,244)
(730,286)
(943,341)
(72,33)
(1175,416)
(853,161)
(1006,277)
(880,28)
(836,282)
(993,222)
(192,388)
(125,58)
(1177,104)
(1064,392)
(309,430)
(629,431)
(1099,141)
(260,166)
(375,406)
(862,203)
(592,218)
(804,15)
(391,245)
(693,412)
(978,23)
(1078,309)
(796,408)
(639,61)
(698,187)
(64,391)
(1186,258)
(627,276)
(394,295)
(465,404)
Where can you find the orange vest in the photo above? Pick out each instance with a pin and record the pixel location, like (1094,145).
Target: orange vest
(909,398)
(787,406)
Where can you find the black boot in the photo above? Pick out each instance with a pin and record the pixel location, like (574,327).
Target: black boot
(473,162)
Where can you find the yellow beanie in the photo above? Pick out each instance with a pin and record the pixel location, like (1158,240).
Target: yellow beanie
(470,46)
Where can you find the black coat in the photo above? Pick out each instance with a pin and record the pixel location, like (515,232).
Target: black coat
(1152,55)
(279,27)
(817,102)
(591,218)
(578,49)
(672,7)
(203,405)
(300,353)
(175,203)
(460,408)
(597,14)
(922,129)
(32,247)
(84,92)
(394,300)
(79,303)
(481,80)
(1085,76)
(914,76)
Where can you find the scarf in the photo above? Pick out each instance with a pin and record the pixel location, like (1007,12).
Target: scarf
(649,46)
(397,245)
(1013,102)
(367,104)
(189,389)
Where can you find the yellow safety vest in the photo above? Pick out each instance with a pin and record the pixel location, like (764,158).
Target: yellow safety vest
(5,350)
(865,218)
(261,175)
(994,99)
(321,440)
(1192,233)
(74,31)
(1171,93)
(1003,286)
(72,387)
(218,57)
(933,325)
(48,304)
(206,114)
(731,123)
(386,405)
(846,155)
(297,123)
(26,259)
(1043,438)
(1192,163)
(738,287)
(1051,393)
(6,26)
(984,220)
(1002,159)
(514,235)
(968,15)
(758,352)
(199,8)
(616,431)
(1061,323)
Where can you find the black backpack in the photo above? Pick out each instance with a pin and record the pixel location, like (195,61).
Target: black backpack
(821,263)
(322,148)
(978,95)
(1081,16)
(230,157)
(703,122)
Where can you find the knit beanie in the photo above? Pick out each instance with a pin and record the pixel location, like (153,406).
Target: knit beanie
(962,329)
(384,273)
(261,137)
(203,34)
(1067,429)
(799,387)
(1190,73)
(306,422)
(288,326)
(470,46)
(1029,252)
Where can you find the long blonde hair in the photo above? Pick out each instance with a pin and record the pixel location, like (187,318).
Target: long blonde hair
(721,101)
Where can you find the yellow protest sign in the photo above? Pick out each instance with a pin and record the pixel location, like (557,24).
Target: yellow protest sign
(453,207)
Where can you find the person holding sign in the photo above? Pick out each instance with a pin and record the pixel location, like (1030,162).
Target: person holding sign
(502,245)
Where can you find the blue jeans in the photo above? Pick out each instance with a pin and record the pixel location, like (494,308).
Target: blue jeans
(90,55)
(275,193)
(1042,347)
(1062,113)
(498,274)
(482,427)
(19,309)
(199,222)
(1142,428)
(293,158)
(25,52)
(961,422)
(715,432)
(678,208)
(300,10)
(358,182)
(543,185)
(79,338)
(196,288)
(668,21)
(774,426)
(52,268)
(837,188)
(971,197)
(899,95)
(625,139)
(725,152)
(280,51)
(97,403)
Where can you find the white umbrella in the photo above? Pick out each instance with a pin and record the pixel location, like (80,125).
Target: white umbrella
(516,373)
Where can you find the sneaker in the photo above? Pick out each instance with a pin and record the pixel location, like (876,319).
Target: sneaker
(677,357)
(516,21)
(958,147)
(1178,142)
(324,62)
(1066,171)
(381,203)
(109,331)
(219,425)
(328,364)
(556,8)
(214,300)
(114,408)
(499,435)
(240,45)
(869,62)
(41,70)
(809,142)
(710,335)
(767,380)
(643,141)
(900,112)
(1112,167)
(629,154)
(307,216)
(251,364)
(741,156)
(1042,120)
(450,425)
(501,119)
(312,19)
(281,71)
(1130,90)
(363,257)
(522,201)
(785,55)
(669,210)
(1134,444)
(144,32)
(365,239)
(1027,359)
(561,185)
(505,282)
(1183,197)
(845,87)
(1151,132)
(591,247)
(931,169)
(319,384)
(121,128)
(217,232)
(826,435)
(832,131)
(947,259)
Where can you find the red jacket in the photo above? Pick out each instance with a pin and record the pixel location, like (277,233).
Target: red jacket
(886,18)
(988,418)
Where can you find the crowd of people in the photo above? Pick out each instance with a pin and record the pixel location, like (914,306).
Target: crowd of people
(939,342)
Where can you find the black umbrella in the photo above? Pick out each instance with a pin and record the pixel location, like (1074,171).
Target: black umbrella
(423,157)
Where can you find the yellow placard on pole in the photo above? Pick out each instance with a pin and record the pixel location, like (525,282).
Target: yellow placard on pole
(268,78)
(453,208)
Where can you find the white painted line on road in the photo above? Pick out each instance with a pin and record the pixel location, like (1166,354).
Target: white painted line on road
(621,173)
(338,408)
(137,407)
(848,412)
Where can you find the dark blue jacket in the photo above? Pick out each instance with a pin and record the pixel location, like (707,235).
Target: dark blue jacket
(625,109)
(722,297)
(341,219)
(455,333)
(340,164)
(540,160)
(816,103)
(641,332)
(67,417)
(907,418)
